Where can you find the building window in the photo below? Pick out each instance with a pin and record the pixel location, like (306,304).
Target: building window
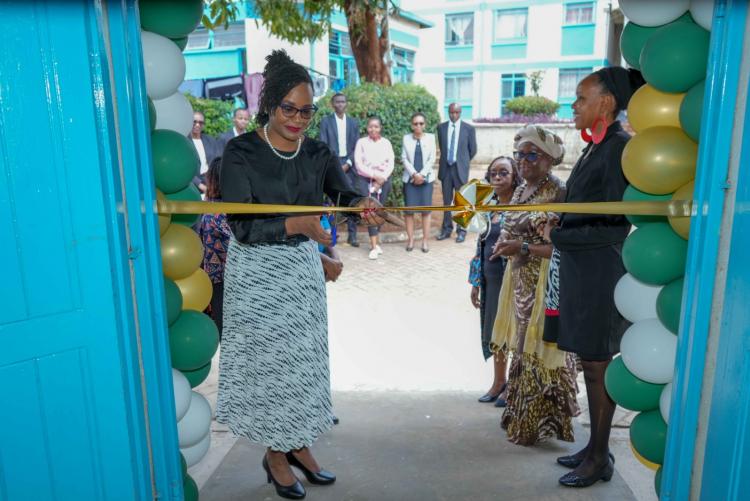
(511,23)
(199,39)
(403,65)
(458,89)
(579,13)
(513,85)
(459,29)
(234,36)
(341,65)
(568,81)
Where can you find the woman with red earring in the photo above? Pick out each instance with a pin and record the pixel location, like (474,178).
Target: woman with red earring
(590,260)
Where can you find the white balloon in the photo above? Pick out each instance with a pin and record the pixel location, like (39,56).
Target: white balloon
(174,113)
(196,422)
(648,351)
(181,393)
(635,300)
(194,454)
(653,12)
(703,12)
(163,64)
(665,402)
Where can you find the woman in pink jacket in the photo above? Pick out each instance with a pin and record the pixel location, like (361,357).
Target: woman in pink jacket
(373,159)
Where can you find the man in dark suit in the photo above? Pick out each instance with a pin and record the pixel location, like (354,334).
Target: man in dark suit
(341,132)
(207,147)
(458,145)
(240,120)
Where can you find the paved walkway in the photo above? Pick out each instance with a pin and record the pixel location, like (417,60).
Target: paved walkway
(406,370)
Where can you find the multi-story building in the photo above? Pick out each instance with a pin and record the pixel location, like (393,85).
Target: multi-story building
(479,53)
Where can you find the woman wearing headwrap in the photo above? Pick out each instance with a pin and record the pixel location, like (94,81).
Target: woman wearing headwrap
(541,387)
(590,260)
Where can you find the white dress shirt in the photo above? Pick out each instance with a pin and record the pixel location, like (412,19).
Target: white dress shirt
(409,144)
(201,154)
(451,125)
(341,130)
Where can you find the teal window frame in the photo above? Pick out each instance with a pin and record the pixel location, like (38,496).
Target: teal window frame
(402,70)
(450,43)
(514,79)
(512,39)
(566,99)
(340,54)
(211,38)
(465,102)
(568,5)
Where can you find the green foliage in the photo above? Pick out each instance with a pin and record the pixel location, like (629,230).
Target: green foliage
(221,12)
(532,105)
(535,81)
(395,106)
(218,115)
(297,22)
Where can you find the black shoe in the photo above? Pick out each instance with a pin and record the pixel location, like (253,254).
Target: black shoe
(460,237)
(573,462)
(335,420)
(487,398)
(353,242)
(443,235)
(573,479)
(294,491)
(501,402)
(320,478)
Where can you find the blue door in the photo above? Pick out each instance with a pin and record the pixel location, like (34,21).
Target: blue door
(77,364)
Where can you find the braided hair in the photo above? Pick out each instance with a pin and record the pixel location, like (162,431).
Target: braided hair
(280,76)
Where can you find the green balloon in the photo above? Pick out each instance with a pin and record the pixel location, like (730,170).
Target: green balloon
(668,305)
(193,340)
(183,464)
(170,18)
(197,376)
(180,42)
(629,391)
(675,57)
(173,298)
(655,254)
(691,110)
(190,488)
(189,194)
(648,434)
(657,482)
(633,194)
(632,40)
(175,160)
(151,114)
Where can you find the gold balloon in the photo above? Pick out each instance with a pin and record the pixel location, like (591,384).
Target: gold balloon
(681,225)
(659,160)
(196,290)
(645,462)
(164,219)
(652,108)
(181,252)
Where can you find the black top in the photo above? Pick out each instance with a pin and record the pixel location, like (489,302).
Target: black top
(590,252)
(252,173)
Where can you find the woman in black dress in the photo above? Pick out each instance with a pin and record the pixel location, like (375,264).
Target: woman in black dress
(486,276)
(274,381)
(590,260)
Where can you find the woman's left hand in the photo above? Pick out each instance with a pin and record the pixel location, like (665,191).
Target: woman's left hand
(506,248)
(332,268)
(547,229)
(374,217)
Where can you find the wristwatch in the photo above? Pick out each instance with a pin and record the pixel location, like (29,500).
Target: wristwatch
(525,249)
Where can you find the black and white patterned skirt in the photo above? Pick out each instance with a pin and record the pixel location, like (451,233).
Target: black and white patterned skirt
(274,380)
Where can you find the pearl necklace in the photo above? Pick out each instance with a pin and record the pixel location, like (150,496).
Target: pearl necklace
(268,140)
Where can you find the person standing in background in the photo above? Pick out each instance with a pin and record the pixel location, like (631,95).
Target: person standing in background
(207,147)
(240,121)
(341,132)
(458,145)
(418,158)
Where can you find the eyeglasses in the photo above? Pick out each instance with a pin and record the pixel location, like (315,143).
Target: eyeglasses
(531,156)
(290,111)
(498,173)
(198,122)
(418,124)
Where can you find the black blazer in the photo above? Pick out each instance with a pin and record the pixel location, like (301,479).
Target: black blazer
(466,148)
(329,134)
(224,138)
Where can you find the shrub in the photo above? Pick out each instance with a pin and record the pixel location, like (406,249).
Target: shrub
(395,106)
(532,105)
(218,114)
(514,118)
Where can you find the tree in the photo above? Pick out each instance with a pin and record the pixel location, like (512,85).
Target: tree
(535,80)
(309,20)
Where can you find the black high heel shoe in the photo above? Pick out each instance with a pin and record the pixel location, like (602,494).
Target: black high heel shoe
(294,491)
(488,398)
(573,462)
(322,477)
(604,473)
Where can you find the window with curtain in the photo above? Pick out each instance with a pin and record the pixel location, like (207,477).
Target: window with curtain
(579,13)
(459,29)
(511,23)
(458,88)
(403,65)
(568,81)
(199,39)
(233,36)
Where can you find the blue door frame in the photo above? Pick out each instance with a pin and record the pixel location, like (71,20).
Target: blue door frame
(709,422)
(84,359)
